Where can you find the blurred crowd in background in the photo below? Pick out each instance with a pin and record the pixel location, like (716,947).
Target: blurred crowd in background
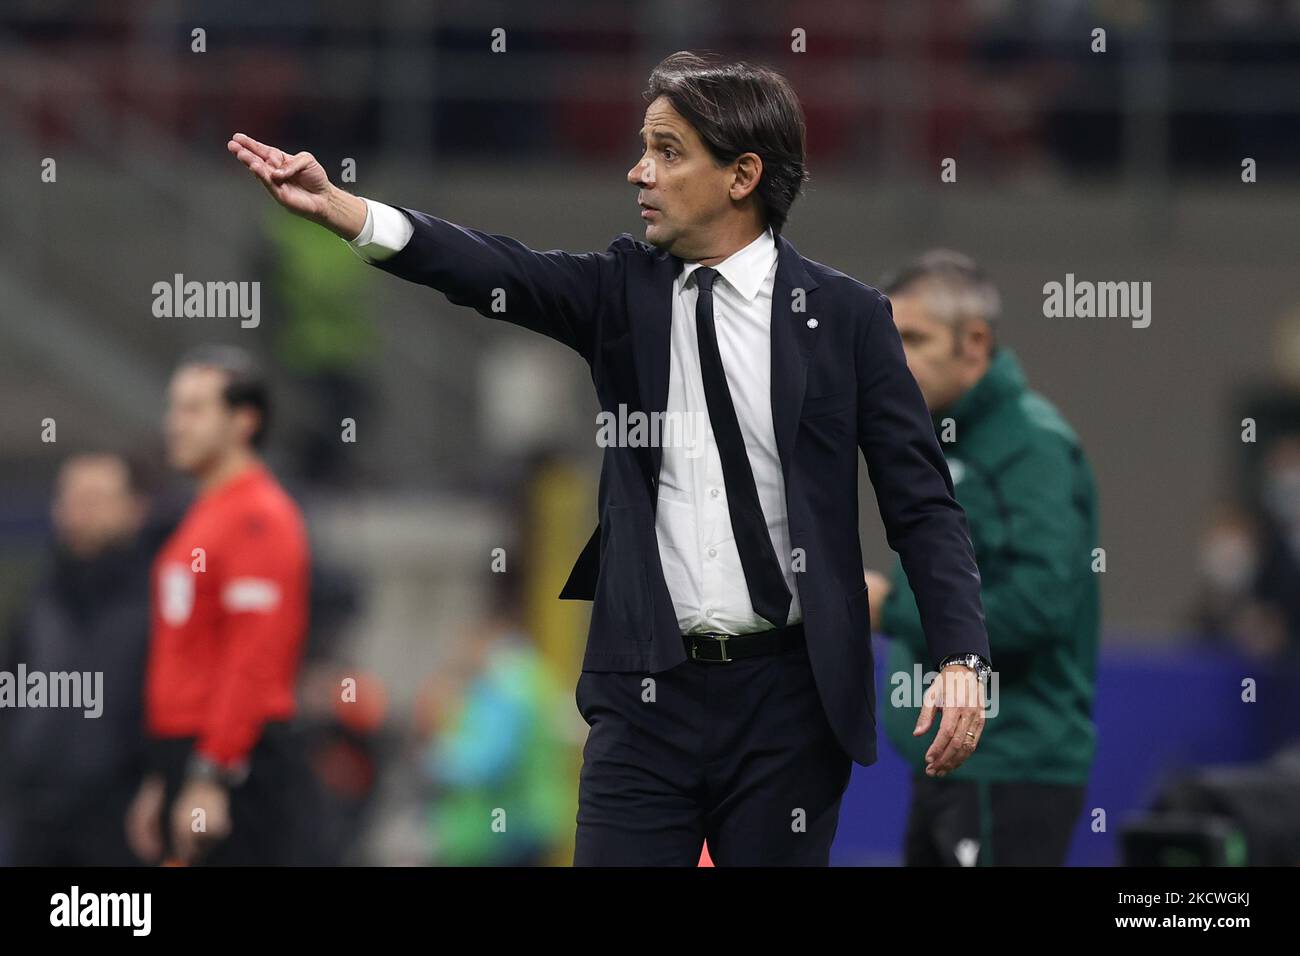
(1007,83)
(463,671)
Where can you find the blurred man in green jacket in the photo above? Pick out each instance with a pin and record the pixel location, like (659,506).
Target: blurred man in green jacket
(1022,478)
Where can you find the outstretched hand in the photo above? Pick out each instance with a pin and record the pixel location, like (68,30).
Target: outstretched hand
(299,184)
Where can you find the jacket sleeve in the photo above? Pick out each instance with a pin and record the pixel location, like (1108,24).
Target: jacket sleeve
(923,522)
(263,600)
(1046,558)
(555,293)
(899,618)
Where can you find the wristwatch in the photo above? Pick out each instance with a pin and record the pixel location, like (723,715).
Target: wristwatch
(981,667)
(199,767)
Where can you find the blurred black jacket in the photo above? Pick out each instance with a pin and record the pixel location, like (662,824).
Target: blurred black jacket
(83,615)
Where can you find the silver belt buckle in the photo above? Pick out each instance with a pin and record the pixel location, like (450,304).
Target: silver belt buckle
(722,645)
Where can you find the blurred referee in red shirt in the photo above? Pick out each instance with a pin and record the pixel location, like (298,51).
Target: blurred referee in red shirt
(229,609)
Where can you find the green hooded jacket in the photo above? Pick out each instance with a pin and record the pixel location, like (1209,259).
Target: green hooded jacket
(1022,478)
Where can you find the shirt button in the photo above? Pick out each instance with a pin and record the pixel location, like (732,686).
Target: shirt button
(713,552)
(714,492)
(708,612)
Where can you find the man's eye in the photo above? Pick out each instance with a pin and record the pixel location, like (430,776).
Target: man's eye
(669,149)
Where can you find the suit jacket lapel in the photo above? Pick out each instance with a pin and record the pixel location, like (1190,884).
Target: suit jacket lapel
(791,345)
(650,313)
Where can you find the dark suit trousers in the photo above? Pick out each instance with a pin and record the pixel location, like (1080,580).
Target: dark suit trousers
(738,753)
(1000,823)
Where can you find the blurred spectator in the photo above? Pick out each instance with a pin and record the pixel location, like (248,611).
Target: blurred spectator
(1278,583)
(69,777)
(1228,566)
(1249,591)
(497,757)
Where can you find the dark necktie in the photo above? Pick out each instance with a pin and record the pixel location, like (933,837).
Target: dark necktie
(767,588)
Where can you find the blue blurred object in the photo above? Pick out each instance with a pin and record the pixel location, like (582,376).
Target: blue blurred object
(1159,710)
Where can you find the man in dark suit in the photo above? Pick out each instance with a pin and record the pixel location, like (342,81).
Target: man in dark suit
(728,680)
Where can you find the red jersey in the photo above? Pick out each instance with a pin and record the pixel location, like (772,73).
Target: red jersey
(229,617)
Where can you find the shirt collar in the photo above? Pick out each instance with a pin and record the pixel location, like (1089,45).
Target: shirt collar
(744,269)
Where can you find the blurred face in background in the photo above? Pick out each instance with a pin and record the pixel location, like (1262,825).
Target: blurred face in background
(946,359)
(1282,481)
(692,200)
(1229,552)
(94,505)
(201,429)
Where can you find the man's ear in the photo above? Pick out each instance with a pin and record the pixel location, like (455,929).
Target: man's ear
(748,172)
(247,420)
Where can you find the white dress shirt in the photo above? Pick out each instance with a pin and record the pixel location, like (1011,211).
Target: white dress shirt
(692,524)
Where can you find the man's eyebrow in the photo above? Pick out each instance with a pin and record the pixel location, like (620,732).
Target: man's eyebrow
(661,134)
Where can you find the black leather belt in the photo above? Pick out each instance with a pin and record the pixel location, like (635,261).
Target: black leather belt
(723,648)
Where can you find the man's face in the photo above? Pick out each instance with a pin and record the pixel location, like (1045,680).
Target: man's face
(945,361)
(200,427)
(94,506)
(687,192)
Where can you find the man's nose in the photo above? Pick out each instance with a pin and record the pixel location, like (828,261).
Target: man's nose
(643,173)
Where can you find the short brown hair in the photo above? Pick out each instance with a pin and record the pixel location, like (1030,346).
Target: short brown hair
(737,108)
(246,386)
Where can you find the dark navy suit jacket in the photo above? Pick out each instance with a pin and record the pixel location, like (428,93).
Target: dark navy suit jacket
(840,384)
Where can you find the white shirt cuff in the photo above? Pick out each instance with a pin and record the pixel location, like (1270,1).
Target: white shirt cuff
(386,232)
